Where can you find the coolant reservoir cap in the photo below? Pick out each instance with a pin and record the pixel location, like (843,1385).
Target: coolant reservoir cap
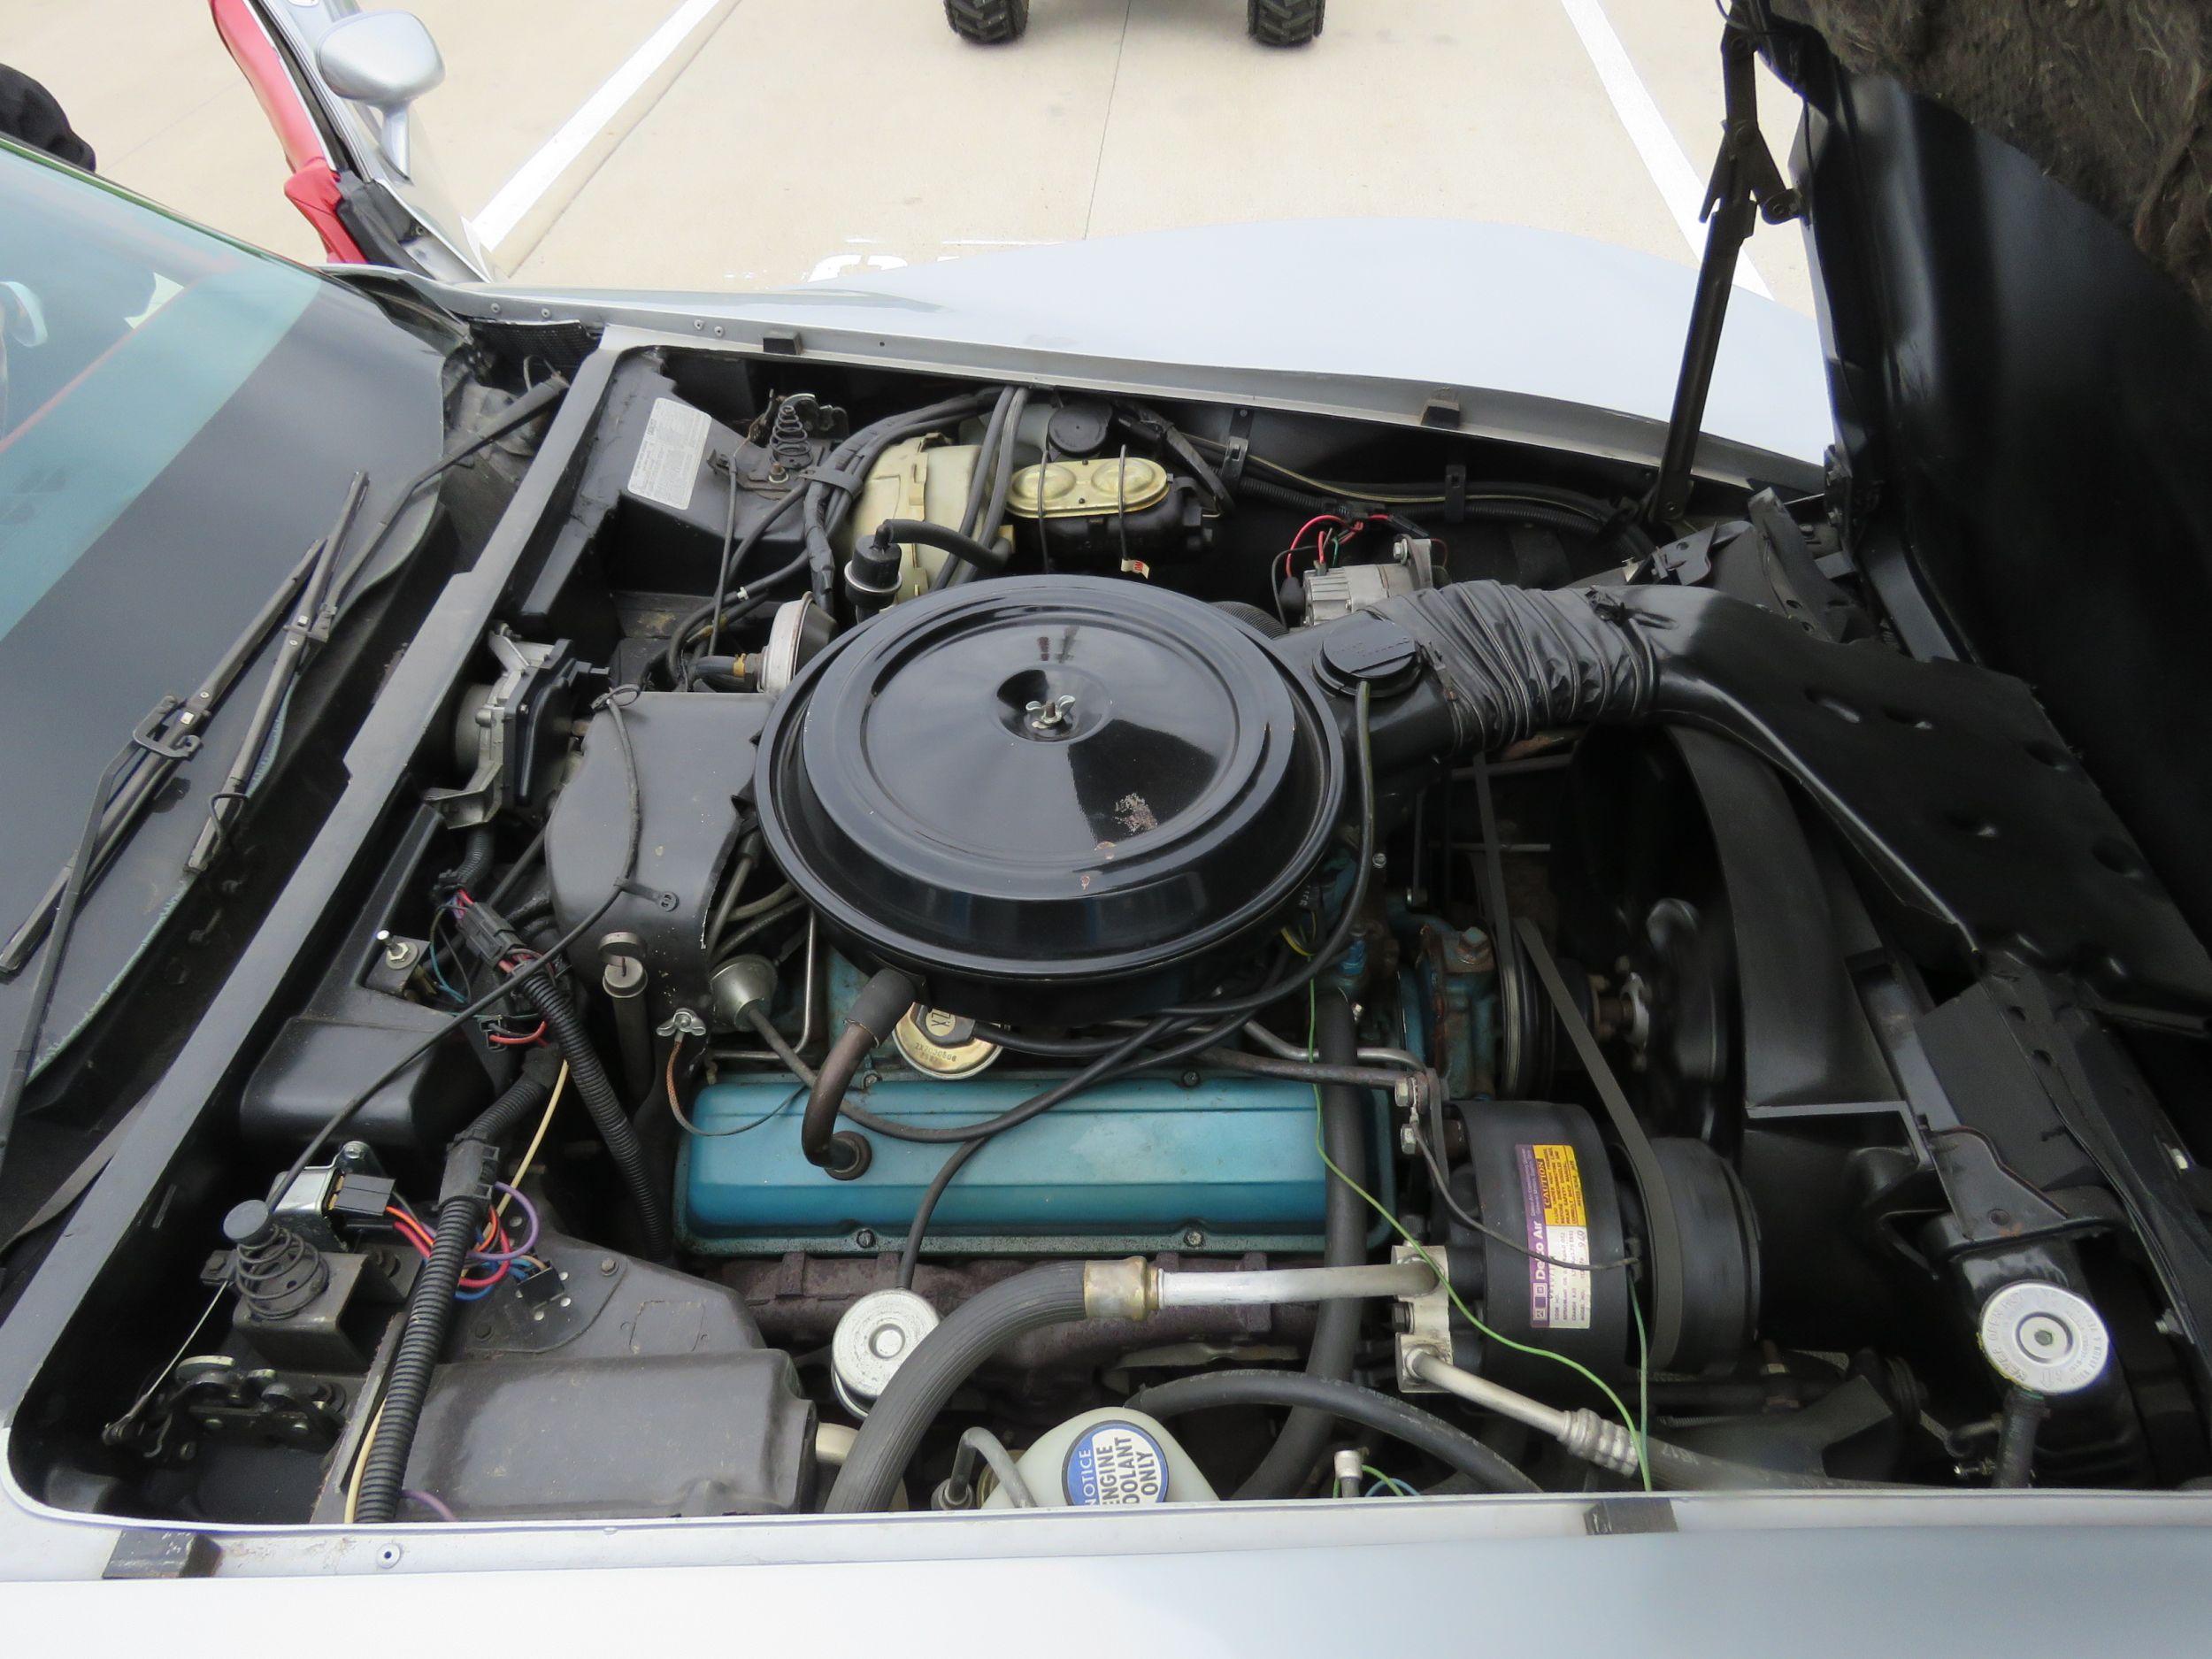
(1049,796)
(1114,1462)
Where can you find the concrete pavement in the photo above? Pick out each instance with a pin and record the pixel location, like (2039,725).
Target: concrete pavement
(801,138)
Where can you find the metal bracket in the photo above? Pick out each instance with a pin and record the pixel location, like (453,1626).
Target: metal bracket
(1428,1318)
(1236,448)
(1746,186)
(147,733)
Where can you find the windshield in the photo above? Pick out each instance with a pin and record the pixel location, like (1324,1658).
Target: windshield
(122,332)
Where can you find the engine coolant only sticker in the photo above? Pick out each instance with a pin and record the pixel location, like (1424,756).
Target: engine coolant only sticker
(1559,1227)
(668,456)
(1115,1462)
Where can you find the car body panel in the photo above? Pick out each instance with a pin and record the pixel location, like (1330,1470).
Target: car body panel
(1491,329)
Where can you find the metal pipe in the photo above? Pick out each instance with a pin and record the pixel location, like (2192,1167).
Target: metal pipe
(1582,1432)
(1265,1287)
(1282,1048)
(623,979)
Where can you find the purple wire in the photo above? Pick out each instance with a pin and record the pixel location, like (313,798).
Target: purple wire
(529,1214)
(436,1505)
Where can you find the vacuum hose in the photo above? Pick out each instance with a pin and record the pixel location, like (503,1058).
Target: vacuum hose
(868,1021)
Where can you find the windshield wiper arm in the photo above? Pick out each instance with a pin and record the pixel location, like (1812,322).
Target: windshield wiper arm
(170,732)
(301,636)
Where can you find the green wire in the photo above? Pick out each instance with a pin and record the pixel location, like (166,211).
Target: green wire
(1392,1481)
(1643,1462)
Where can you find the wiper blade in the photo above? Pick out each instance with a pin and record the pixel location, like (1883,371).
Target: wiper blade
(329,583)
(301,636)
(170,732)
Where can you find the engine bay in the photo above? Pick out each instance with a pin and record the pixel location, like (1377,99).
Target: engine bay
(970,946)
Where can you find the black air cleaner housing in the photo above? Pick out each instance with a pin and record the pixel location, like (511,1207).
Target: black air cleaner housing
(1054,799)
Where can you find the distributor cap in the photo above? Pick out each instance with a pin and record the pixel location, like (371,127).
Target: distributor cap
(1053,798)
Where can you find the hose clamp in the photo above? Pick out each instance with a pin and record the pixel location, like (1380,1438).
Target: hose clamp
(1125,1289)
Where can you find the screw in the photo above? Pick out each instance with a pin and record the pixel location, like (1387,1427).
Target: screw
(1192,1237)
(483,1327)
(399,953)
(869,1079)
(565,1302)
(865,1238)
(606,1265)
(1188,1079)
(537,1315)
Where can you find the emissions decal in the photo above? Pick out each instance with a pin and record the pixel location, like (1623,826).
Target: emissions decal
(1558,1226)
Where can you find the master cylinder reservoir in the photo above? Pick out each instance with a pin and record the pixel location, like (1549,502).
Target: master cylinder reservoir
(921,478)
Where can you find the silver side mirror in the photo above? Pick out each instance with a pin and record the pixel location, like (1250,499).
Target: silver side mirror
(386,60)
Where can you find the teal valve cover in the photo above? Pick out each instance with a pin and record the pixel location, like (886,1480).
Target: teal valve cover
(1140,1164)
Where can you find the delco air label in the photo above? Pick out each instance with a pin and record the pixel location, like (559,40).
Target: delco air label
(1559,1227)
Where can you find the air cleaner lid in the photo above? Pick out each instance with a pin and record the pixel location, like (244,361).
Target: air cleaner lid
(1048,779)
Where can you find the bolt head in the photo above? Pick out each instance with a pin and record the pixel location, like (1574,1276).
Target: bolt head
(1192,1238)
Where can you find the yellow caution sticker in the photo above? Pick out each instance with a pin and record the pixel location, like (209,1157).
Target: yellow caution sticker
(1558,1223)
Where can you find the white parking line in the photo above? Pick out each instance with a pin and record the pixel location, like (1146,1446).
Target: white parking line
(593,130)
(1680,185)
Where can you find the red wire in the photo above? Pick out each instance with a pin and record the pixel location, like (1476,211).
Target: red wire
(508,1039)
(413,1232)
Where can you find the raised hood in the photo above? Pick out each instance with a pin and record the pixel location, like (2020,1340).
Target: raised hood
(2012,293)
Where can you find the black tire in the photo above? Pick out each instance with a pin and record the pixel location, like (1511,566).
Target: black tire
(987,22)
(1281,22)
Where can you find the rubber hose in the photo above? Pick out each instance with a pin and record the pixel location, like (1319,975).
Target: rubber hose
(987,559)
(430,1313)
(1289,1462)
(1679,1468)
(1330,1398)
(2024,1415)
(980,477)
(817,1129)
(566,1027)
(945,1359)
(531,909)
(869,1019)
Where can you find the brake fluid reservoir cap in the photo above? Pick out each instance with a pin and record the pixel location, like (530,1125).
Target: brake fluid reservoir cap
(1114,1462)
(2044,1338)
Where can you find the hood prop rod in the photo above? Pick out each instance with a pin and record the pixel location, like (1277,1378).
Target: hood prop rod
(1746,186)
